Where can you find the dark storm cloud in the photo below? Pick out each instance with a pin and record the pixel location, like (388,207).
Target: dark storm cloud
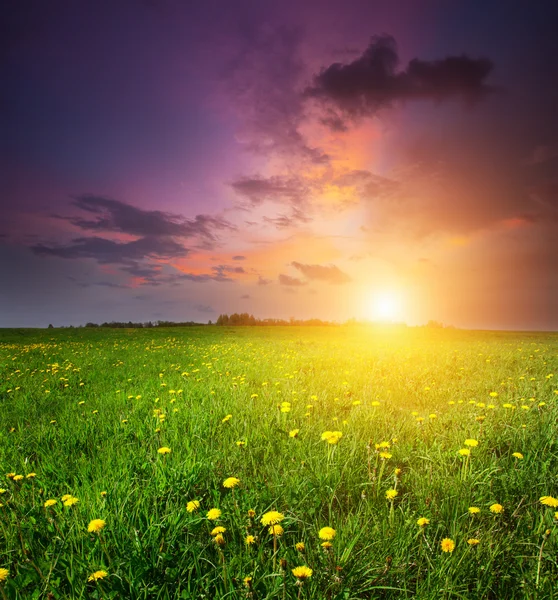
(372,81)
(114,215)
(290,281)
(110,252)
(329,273)
(276,188)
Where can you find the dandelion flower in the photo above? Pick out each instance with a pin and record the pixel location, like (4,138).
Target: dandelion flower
(4,574)
(251,513)
(397,472)
(17,477)
(497,508)
(96,525)
(327,533)
(71,501)
(473,541)
(217,530)
(327,545)
(241,443)
(231,482)
(465,452)
(302,573)
(97,575)
(448,545)
(249,540)
(227,418)
(213,514)
(473,510)
(65,497)
(271,518)
(471,443)
(549,501)
(193,505)
(518,455)
(391,494)
(385,455)
(423,522)
(50,502)
(276,530)
(300,547)
(31,475)
(164,450)
(294,433)
(332,437)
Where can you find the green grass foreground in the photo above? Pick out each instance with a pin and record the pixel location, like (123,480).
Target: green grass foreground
(90,415)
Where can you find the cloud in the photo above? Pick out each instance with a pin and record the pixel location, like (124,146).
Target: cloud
(239,257)
(290,281)
(116,216)
(245,297)
(330,273)
(106,251)
(263,280)
(276,189)
(372,82)
(284,221)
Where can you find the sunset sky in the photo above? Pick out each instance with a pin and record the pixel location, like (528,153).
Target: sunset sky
(166,159)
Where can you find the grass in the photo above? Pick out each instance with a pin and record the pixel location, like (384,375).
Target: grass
(88,410)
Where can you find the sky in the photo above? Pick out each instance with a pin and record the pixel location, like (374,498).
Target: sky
(175,160)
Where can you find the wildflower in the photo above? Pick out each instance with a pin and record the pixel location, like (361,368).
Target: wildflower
(70,501)
(31,475)
(241,443)
(4,574)
(465,452)
(97,575)
(473,541)
(164,450)
(448,545)
(327,533)
(50,502)
(276,530)
(248,581)
(249,540)
(227,418)
(391,494)
(103,494)
(3,491)
(385,455)
(549,501)
(271,518)
(217,530)
(251,513)
(327,546)
(471,443)
(497,508)
(300,546)
(213,514)
(96,525)
(302,573)
(518,455)
(332,437)
(231,482)
(65,497)
(193,505)
(423,522)
(17,477)
(294,433)
(473,510)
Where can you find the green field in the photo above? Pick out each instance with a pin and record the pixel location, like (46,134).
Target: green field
(86,412)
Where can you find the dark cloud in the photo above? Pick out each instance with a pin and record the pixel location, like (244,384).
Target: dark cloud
(290,281)
(116,216)
(110,252)
(283,221)
(372,82)
(257,189)
(263,280)
(203,308)
(329,273)
(239,257)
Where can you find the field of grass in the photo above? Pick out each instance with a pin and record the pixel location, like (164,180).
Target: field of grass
(136,427)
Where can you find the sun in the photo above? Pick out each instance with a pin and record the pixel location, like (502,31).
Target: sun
(386,306)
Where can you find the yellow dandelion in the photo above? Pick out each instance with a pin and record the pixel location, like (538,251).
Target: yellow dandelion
(276,530)
(213,514)
(249,540)
(65,497)
(50,502)
(4,573)
(302,573)
(518,455)
(164,450)
(271,518)
(17,477)
(473,542)
(241,443)
(327,545)
(71,501)
(294,433)
(385,455)
(217,530)
(251,513)
(398,472)
(300,547)
(448,545)
(549,501)
(465,452)
(231,482)
(192,506)
(97,575)
(471,443)
(423,522)
(391,494)
(473,510)
(31,475)
(327,533)
(496,508)
(96,526)
(3,490)
(227,418)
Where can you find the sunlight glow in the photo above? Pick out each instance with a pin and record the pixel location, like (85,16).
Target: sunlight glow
(386,306)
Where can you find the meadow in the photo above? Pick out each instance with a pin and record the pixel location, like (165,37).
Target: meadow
(326,463)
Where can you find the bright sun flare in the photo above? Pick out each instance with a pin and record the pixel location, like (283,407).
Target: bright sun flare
(386,307)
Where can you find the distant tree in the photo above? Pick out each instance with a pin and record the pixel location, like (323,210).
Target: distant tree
(50,326)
